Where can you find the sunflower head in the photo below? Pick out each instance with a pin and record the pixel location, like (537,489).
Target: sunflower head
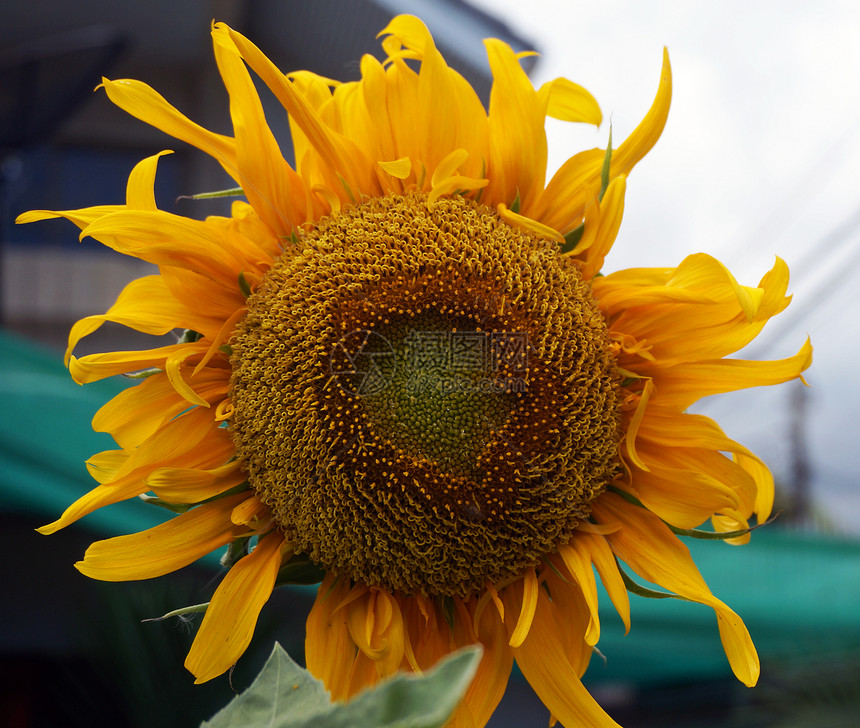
(405,373)
(424,395)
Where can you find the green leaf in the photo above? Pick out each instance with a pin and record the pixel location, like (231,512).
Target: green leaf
(411,701)
(283,694)
(286,696)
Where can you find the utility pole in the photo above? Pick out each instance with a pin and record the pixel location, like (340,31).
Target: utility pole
(801,500)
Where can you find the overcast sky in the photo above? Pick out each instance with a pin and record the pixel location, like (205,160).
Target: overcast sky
(759,158)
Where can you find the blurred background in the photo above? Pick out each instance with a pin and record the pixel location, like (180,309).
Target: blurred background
(758,159)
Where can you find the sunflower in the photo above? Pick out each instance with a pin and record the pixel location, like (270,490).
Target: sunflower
(403,375)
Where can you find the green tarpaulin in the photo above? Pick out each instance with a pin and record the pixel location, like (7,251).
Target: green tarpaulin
(798,593)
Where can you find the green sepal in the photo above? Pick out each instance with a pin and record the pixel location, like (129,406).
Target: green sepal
(244,286)
(232,192)
(643,591)
(183,507)
(299,570)
(555,569)
(285,695)
(482,176)
(447,605)
(348,189)
(143,373)
(604,170)
(571,239)
(691,532)
(161,503)
(629,497)
(515,205)
(226,349)
(719,535)
(711,535)
(189,337)
(235,550)
(294,239)
(181,612)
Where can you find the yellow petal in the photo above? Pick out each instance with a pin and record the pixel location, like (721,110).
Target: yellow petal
(611,211)
(104,466)
(574,186)
(140,189)
(682,385)
(528,224)
(137,412)
(327,634)
(518,151)
(341,155)
(703,495)
(189,437)
(594,547)
(153,236)
(491,678)
(252,512)
(645,136)
(271,186)
(213,299)
(572,619)
(399,168)
(569,101)
(526,610)
(192,485)
(579,566)
(145,305)
(164,548)
(464,123)
(647,545)
(376,626)
(93,367)
(448,166)
(146,104)
(763,482)
(82,218)
(231,617)
(544,663)
(457,184)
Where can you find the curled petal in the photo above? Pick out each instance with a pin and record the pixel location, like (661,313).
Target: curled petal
(229,622)
(164,548)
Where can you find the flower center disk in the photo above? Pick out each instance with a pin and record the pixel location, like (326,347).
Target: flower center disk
(425,396)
